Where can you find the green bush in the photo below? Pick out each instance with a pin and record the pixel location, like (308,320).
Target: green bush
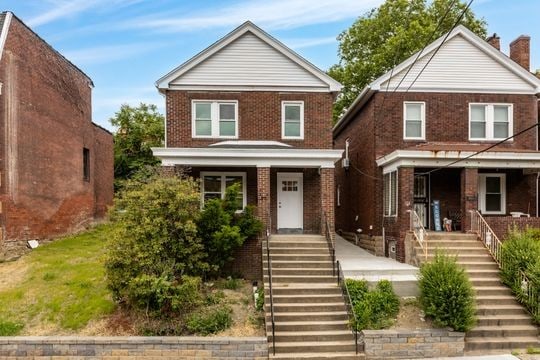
(230,283)
(8,328)
(210,320)
(259,305)
(446,294)
(521,253)
(155,242)
(374,309)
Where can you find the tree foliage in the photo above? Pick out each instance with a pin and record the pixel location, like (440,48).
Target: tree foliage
(139,129)
(386,36)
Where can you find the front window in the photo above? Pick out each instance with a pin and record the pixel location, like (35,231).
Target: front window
(292,120)
(414,120)
(216,119)
(490,121)
(492,193)
(214,185)
(390,194)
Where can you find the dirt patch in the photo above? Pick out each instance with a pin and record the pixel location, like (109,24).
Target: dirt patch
(12,273)
(411,316)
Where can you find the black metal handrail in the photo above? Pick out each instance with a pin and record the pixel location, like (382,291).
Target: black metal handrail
(331,246)
(271,294)
(350,309)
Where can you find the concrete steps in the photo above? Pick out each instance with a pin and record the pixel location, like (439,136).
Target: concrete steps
(310,316)
(503,323)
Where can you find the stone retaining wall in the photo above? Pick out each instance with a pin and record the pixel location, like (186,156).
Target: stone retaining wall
(123,348)
(409,344)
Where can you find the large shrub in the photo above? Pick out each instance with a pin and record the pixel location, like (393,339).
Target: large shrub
(521,254)
(374,309)
(446,294)
(155,243)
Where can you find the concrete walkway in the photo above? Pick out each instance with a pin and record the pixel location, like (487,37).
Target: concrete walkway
(483,357)
(357,263)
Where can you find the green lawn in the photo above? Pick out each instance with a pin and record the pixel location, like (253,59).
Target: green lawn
(62,289)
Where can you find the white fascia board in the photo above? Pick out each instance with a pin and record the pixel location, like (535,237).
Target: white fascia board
(4,32)
(282,88)
(423,158)
(248,157)
(475,40)
(248,26)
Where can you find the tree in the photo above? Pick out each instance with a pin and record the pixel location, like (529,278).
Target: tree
(386,36)
(139,129)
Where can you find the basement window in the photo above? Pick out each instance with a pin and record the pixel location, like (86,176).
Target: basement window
(86,164)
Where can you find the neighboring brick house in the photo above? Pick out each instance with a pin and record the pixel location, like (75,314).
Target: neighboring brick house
(56,166)
(407,141)
(250,110)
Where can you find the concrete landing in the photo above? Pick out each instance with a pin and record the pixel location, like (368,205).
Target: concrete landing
(357,263)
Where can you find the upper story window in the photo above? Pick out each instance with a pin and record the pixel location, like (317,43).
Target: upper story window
(292,119)
(216,119)
(414,120)
(490,121)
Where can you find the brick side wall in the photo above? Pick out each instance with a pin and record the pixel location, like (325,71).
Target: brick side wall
(501,225)
(140,348)
(46,120)
(103,171)
(259,117)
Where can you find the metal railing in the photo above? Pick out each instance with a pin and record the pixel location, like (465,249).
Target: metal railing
(348,303)
(419,232)
(331,246)
(528,295)
(270,291)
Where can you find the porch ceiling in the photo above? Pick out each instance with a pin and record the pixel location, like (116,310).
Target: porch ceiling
(266,157)
(437,158)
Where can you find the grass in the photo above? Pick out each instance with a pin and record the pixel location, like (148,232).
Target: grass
(63,287)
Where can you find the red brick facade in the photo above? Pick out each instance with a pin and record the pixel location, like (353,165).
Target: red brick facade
(45,122)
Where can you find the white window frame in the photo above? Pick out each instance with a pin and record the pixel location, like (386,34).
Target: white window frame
(214,115)
(223,183)
(422,119)
(490,121)
(283,105)
(392,197)
(482,193)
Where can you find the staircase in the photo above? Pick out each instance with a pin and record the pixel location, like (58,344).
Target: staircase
(311,320)
(503,323)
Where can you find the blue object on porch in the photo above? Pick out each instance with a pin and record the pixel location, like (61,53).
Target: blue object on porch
(437,215)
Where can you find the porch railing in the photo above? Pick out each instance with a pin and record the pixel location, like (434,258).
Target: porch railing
(270,291)
(419,232)
(348,303)
(331,246)
(528,295)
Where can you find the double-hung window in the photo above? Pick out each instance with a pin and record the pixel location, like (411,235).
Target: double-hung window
(215,119)
(214,185)
(490,121)
(390,194)
(492,193)
(414,120)
(292,119)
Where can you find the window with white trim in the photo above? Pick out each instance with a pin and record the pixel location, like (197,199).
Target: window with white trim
(414,120)
(490,121)
(292,119)
(214,184)
(492,194)
(215,119)
(390,194)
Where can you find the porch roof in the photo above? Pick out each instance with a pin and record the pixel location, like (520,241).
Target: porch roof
(512,159)
(257,157)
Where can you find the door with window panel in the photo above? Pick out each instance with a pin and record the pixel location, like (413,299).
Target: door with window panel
(421,198)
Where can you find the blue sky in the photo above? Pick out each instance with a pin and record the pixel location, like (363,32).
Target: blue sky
(126,45)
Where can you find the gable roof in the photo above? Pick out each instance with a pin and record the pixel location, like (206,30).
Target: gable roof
(477,68)
(248,58)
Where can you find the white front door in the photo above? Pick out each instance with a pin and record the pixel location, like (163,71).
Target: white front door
(290,209)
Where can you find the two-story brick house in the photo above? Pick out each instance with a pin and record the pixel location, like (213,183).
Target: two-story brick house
(249,110)
(56,166)
(410,134)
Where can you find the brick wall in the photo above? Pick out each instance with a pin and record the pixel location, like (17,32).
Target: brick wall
(412,344)
(259,117)
(501,225)
(140,348)
(46,123)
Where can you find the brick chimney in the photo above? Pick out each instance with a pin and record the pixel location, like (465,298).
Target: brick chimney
(520,51)
(494,41)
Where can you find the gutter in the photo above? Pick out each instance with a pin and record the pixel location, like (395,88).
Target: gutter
(357,104)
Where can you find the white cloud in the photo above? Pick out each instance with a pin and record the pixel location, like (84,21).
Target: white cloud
(277,14)
(108,53)
(309,42)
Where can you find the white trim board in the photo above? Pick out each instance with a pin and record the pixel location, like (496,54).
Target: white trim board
(4,32)
(312,158)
